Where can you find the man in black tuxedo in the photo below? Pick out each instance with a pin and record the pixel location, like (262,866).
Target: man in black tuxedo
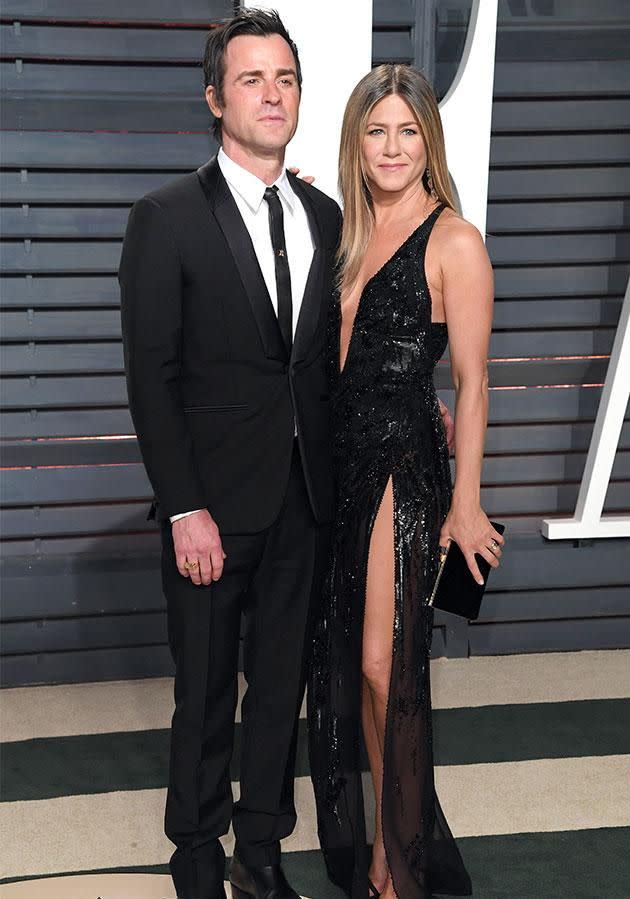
(226,277)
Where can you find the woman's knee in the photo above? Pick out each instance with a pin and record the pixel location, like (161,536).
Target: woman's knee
(376,671)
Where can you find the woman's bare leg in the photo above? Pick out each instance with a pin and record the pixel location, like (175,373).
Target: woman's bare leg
(378,631)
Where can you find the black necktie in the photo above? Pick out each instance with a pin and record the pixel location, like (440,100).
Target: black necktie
(283,275)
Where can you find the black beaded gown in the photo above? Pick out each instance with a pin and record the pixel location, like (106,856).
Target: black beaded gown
(386,424)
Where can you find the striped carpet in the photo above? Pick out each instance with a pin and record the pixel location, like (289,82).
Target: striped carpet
(533,771)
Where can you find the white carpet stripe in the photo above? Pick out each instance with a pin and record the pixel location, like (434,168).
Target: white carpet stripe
(40,712)
(124,829)
(105,886)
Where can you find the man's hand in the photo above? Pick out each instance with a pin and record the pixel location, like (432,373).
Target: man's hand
(196,539)
(449,426)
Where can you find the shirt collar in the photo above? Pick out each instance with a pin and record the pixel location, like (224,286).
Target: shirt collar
(251,188)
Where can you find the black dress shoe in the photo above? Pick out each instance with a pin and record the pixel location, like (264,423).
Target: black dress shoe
(199,874)
(259,883)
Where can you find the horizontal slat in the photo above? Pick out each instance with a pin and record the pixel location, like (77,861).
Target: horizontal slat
(99,11)
(53,587)
(541,605)
(549,115)
(44,256)
(105,113)
(95,451)
(83,187)
(105,483)
(557,313)
(83,484)
(56,79)
(92,324)
(393,13)
(51,358)
(114,44)
(90,222)
(392,46)
(561,249)
(84,423)
(105,546)
(550,215)
(548,636)
(80,222)
(533,500)
(104,324)
(32,149)
(37,392)
(109,188)
(27,291)
(94,665)
(559,183)
(584,78)
(556,39)
(559,149)
(522,406)
(562,281)
(85,633)
(520,439)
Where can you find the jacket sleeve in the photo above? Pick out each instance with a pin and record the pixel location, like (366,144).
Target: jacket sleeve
(150,277)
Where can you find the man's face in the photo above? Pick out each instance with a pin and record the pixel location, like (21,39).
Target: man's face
(261,97)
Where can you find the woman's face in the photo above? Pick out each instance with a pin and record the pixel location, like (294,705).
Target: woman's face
(394,152)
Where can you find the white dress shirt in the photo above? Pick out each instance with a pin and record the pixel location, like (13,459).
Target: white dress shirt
(249,192)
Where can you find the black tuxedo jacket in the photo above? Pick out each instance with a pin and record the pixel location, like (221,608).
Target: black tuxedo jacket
(213,396)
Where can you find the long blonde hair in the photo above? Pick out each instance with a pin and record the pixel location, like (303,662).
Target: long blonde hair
(358,216)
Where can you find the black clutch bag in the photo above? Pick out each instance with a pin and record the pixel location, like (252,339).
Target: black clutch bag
(455,589)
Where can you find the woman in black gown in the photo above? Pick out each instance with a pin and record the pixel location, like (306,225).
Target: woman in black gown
(413,276)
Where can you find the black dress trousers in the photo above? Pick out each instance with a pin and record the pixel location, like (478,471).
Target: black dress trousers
(272,578)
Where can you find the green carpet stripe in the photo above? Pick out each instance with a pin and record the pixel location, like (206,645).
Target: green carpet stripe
(138,760)
(580,864)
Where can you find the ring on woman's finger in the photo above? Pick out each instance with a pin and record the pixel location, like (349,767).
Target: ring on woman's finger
(191,566)
(493,544)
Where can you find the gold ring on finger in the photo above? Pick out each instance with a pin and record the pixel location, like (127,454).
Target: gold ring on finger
(494,544)
(191,566)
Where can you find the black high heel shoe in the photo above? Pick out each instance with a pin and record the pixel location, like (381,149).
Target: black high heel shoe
(373,892)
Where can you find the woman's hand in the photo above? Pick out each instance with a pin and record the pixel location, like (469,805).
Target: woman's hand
(470,528)
(296,171)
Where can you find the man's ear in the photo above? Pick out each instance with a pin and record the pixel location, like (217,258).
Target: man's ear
(211,100)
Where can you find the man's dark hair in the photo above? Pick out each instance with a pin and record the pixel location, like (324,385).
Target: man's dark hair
(258,22)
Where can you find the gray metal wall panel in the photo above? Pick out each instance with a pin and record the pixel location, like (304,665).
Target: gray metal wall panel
(558,235)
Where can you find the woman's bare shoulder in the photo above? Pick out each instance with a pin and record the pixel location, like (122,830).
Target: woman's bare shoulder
(458,236)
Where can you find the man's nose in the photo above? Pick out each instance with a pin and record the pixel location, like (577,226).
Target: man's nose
(271,94)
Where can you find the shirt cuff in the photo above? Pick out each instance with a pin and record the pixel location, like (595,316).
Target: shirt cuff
(183,515)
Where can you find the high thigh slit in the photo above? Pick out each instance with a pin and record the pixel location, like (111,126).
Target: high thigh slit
(386,426)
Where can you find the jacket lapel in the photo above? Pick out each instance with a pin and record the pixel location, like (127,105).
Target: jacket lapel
(229,219)
(313,303)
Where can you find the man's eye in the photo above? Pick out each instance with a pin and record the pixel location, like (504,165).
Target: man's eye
(287,81)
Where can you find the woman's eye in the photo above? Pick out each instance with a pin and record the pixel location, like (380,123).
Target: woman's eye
(409,131)
(373,131)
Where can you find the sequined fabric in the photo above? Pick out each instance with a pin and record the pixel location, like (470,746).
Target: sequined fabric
(386,423)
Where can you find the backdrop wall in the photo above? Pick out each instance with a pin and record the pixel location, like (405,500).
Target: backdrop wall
(102,102)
